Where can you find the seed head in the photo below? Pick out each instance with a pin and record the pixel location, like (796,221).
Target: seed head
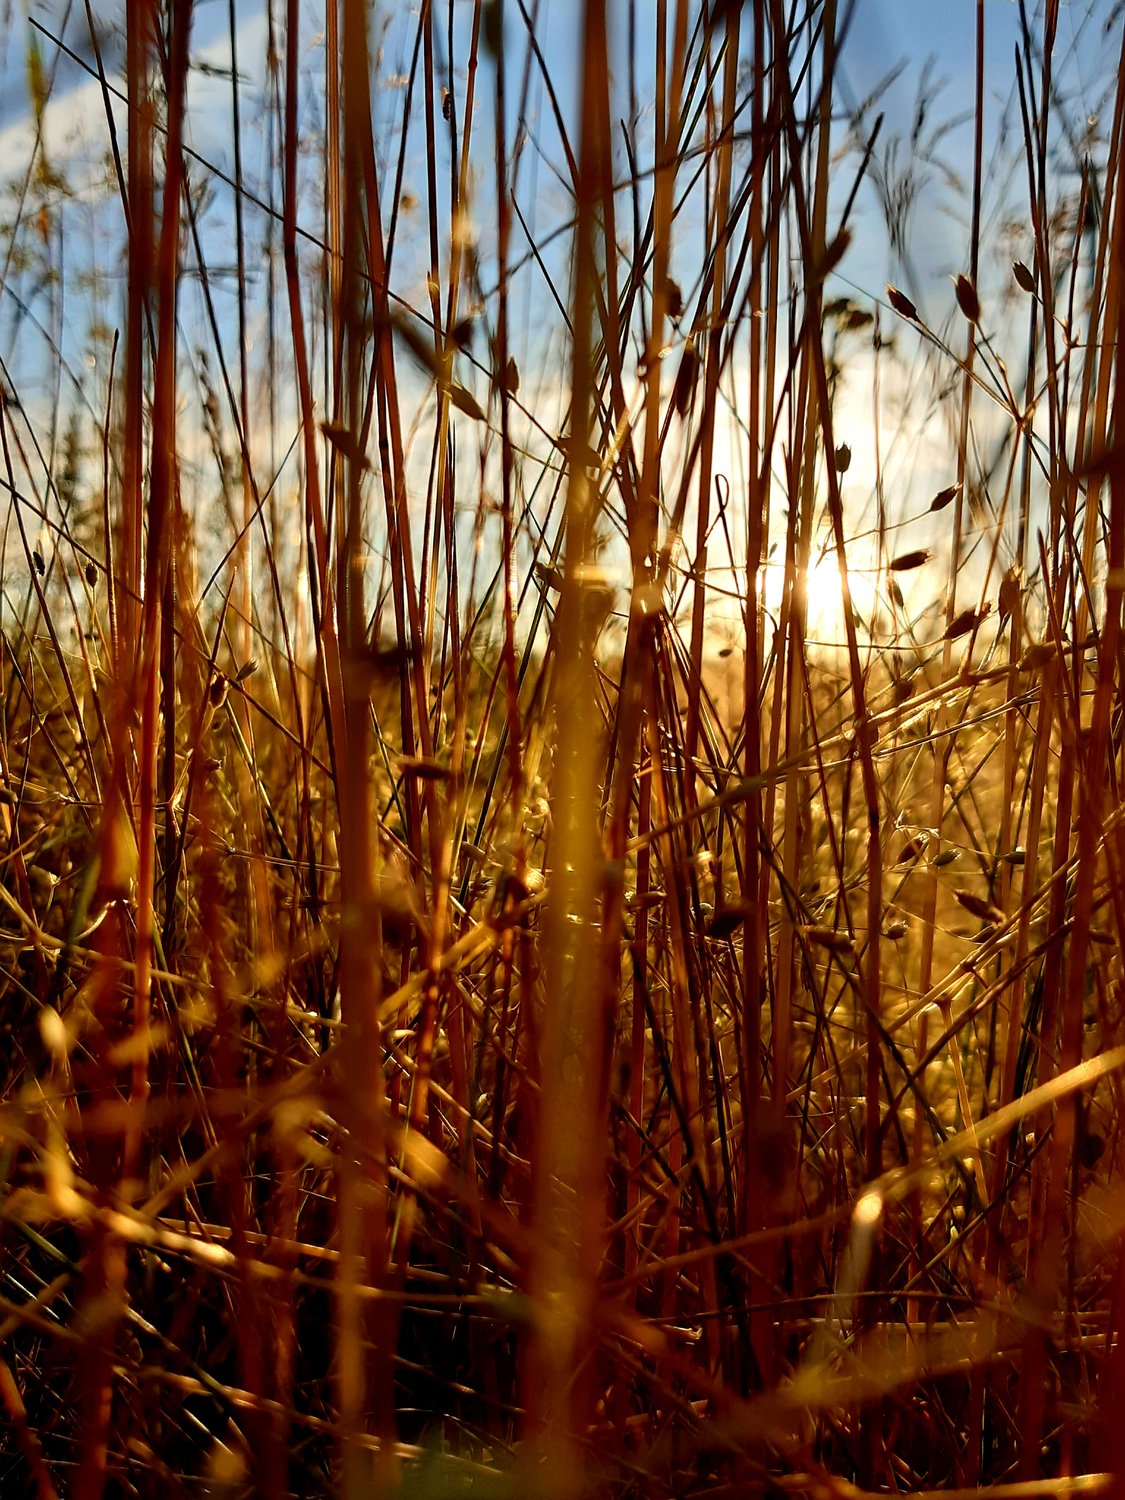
(902,304)
(834,254)
(1036,657)
(685,381)
(907,560)
(423,768)
(461,334)
(967,620)
(977,906)
(725,920)
(828,937)
(967,299)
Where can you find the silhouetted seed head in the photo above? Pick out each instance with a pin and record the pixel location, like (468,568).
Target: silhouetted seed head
(911,851)
(895,931)
(902,304)
(341,438)
(512,377)
(685,381)
(907,560)
(91,574)
(423,768)
(944,497)
(903,689)
(1025,276)
(1010,588)
(946,857)
(967,299)
(726,919)
(1037,655)
(446,105)
(843,459)
(828,937)
(217,692)
(967,620)
(647,901)
(675,299)
(37,559)
(834,254)
(977,906)
(723,12)
(389,661)
(492,25)
(465,401)
(461,334)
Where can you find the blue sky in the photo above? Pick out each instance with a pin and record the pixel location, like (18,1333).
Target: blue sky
(922,39)
(883,35)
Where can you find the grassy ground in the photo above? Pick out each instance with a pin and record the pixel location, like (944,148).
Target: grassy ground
(560,765)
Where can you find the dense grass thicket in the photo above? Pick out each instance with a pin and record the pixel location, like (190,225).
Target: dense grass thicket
(561,750)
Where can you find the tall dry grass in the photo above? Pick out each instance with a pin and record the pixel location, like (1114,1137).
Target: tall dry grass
(491,1004)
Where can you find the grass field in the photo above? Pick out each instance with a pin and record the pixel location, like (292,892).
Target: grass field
(561,752)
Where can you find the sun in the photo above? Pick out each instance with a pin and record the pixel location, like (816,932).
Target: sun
(824,595)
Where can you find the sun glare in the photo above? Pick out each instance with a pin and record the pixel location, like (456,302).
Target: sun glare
(824,596)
